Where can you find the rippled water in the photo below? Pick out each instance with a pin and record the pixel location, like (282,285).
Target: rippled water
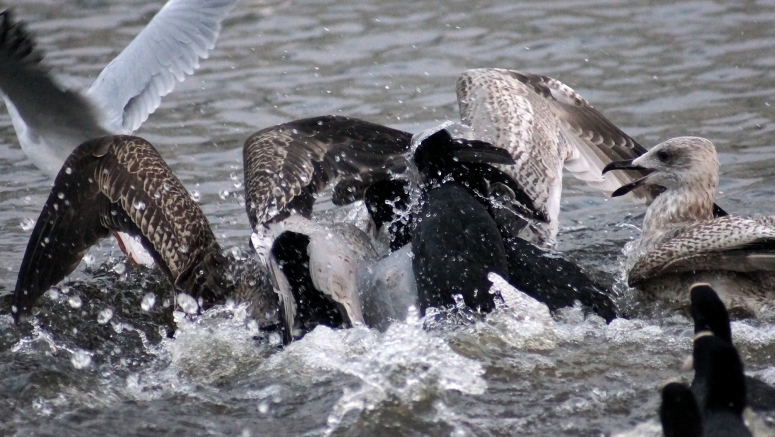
(657,71)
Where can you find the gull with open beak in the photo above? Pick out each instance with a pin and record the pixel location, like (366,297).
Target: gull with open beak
(684,241)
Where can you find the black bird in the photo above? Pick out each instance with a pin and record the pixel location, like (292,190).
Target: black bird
(467,227)
(679,413)
(719,386)
(455,241)
(714,405)
(289,165)
(710,314)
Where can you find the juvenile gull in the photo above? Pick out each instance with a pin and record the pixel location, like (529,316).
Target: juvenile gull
(120,183)
(546,126)
(288,165)
(50,120)
(681,241)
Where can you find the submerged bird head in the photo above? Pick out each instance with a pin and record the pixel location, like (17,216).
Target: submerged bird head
(675,164)
(439,154)
(209,278)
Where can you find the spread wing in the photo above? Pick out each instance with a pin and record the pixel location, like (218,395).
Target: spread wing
(546,126)
(113,184)
(288,164)
(728,243)
(35,100)
(163,53)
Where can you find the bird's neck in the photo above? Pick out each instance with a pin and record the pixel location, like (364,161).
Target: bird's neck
(676,207)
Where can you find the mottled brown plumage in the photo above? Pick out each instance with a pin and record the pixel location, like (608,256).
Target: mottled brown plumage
(546,126)
(287,165)
(120,183)
(681,241)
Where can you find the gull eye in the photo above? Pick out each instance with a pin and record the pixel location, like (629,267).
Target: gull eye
(663,156)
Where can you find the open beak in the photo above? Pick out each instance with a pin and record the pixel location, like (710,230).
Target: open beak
(622,165)
(625,165)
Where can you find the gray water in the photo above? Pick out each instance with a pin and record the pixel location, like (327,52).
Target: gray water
(656,70)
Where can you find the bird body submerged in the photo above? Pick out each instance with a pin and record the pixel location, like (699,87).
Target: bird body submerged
(121,183)
(681,241)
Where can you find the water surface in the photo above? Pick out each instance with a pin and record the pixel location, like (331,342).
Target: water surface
(656,70)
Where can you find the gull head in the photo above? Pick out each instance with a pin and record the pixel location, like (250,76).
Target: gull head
(676,163)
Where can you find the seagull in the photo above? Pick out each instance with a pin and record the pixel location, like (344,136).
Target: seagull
(683,241)
(121,183)
(51,120)
(287,166)
(312,266)
(546,126)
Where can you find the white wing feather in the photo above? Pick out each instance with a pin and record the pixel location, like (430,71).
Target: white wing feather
(131,87)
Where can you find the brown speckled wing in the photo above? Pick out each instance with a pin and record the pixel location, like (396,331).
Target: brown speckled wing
(118,183)
(548,125)
(728,243)
(288,164)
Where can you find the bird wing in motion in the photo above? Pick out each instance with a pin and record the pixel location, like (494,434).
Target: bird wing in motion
(161,55)
(288,164)
(546,126)
(115,184)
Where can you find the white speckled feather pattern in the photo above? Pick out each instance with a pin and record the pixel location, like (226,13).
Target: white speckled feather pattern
(546,126)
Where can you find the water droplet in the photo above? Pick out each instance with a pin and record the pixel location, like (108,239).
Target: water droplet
(104,316)
(80,359)
(27,224)
(183,248)
(223,194)
(149,300)
(27,199)
(75,301)
(61,195)
(53,294)
(88,259)
(119,268)
(166,186)
(118,327)
(275,339)
(233,176)
(187,303)
(263,407)
(68,170)
(156,195)
(140,205)
(195,196)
